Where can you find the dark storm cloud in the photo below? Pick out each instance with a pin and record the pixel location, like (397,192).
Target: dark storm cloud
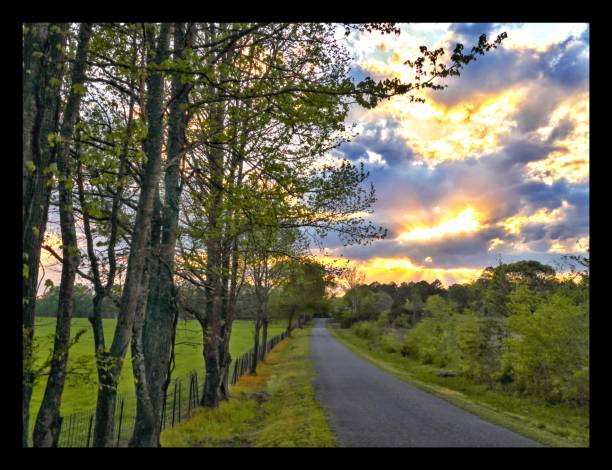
(521,151)
(568,63)
(536,195)
(562,130)
(533,232)
(472,31)
(392,148)
(578,196)
(535,111)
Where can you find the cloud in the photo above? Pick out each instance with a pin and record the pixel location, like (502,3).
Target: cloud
(508,138)
(564,64)
(381,138)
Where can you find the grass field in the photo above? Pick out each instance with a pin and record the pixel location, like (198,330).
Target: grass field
(554,425)
(80,391)
(275,408)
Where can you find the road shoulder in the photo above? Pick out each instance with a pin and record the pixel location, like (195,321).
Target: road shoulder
(275,408)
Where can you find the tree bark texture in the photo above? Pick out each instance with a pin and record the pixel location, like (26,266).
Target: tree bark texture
(47,427)
(43,66)
(132,289)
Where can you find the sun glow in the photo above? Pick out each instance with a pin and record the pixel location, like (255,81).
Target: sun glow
(571,159)
(514,224)
(405,270)
(439,133)
(53,241)
(467,221)
(401,269)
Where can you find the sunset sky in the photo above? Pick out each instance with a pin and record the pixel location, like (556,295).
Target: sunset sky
(497,164)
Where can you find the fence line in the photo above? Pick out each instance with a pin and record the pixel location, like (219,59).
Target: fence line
(77,429)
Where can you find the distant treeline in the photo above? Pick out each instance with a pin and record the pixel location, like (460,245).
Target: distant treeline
(519,326)
(46,305)
(288,301)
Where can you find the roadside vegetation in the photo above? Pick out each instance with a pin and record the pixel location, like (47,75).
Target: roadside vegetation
(513,346)
(274,408)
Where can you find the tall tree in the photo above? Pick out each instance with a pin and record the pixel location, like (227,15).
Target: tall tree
(157,337)
(48,421)
(141,235)
(43,65)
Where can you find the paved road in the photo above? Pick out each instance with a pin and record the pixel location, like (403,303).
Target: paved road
(370,408)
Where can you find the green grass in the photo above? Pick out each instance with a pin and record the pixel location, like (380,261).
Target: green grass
(80,392)
(275,408)
(553,425)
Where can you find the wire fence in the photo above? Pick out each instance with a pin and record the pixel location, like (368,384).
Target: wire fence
(180,400)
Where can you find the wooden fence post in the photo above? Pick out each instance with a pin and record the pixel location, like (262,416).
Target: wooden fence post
(162,423)
(197,390)
(70,430)
(120,422)
(190,396)
(174,404)
(179,404)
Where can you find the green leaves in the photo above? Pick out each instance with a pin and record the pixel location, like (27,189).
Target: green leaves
(547,349)
(79,88)
(94,210)
(51,169)
(69,183)
(73,250)
(52,138)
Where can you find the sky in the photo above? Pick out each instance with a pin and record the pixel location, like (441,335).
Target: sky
(495,166)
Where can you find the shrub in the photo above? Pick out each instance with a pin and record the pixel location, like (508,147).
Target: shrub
(384,318)
(390,344)
(470,338)
(365,330)
(430,342)
(477,341)
(402,321)
(548,349)
(345,318)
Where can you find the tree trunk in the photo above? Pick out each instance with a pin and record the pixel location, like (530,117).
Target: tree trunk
(146,422)
(213,380)
(226,358)
(132,289)
(290,326)
(256,351)
(162,312)
(34,41)
(41,117)
(264,339)
(47,427)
